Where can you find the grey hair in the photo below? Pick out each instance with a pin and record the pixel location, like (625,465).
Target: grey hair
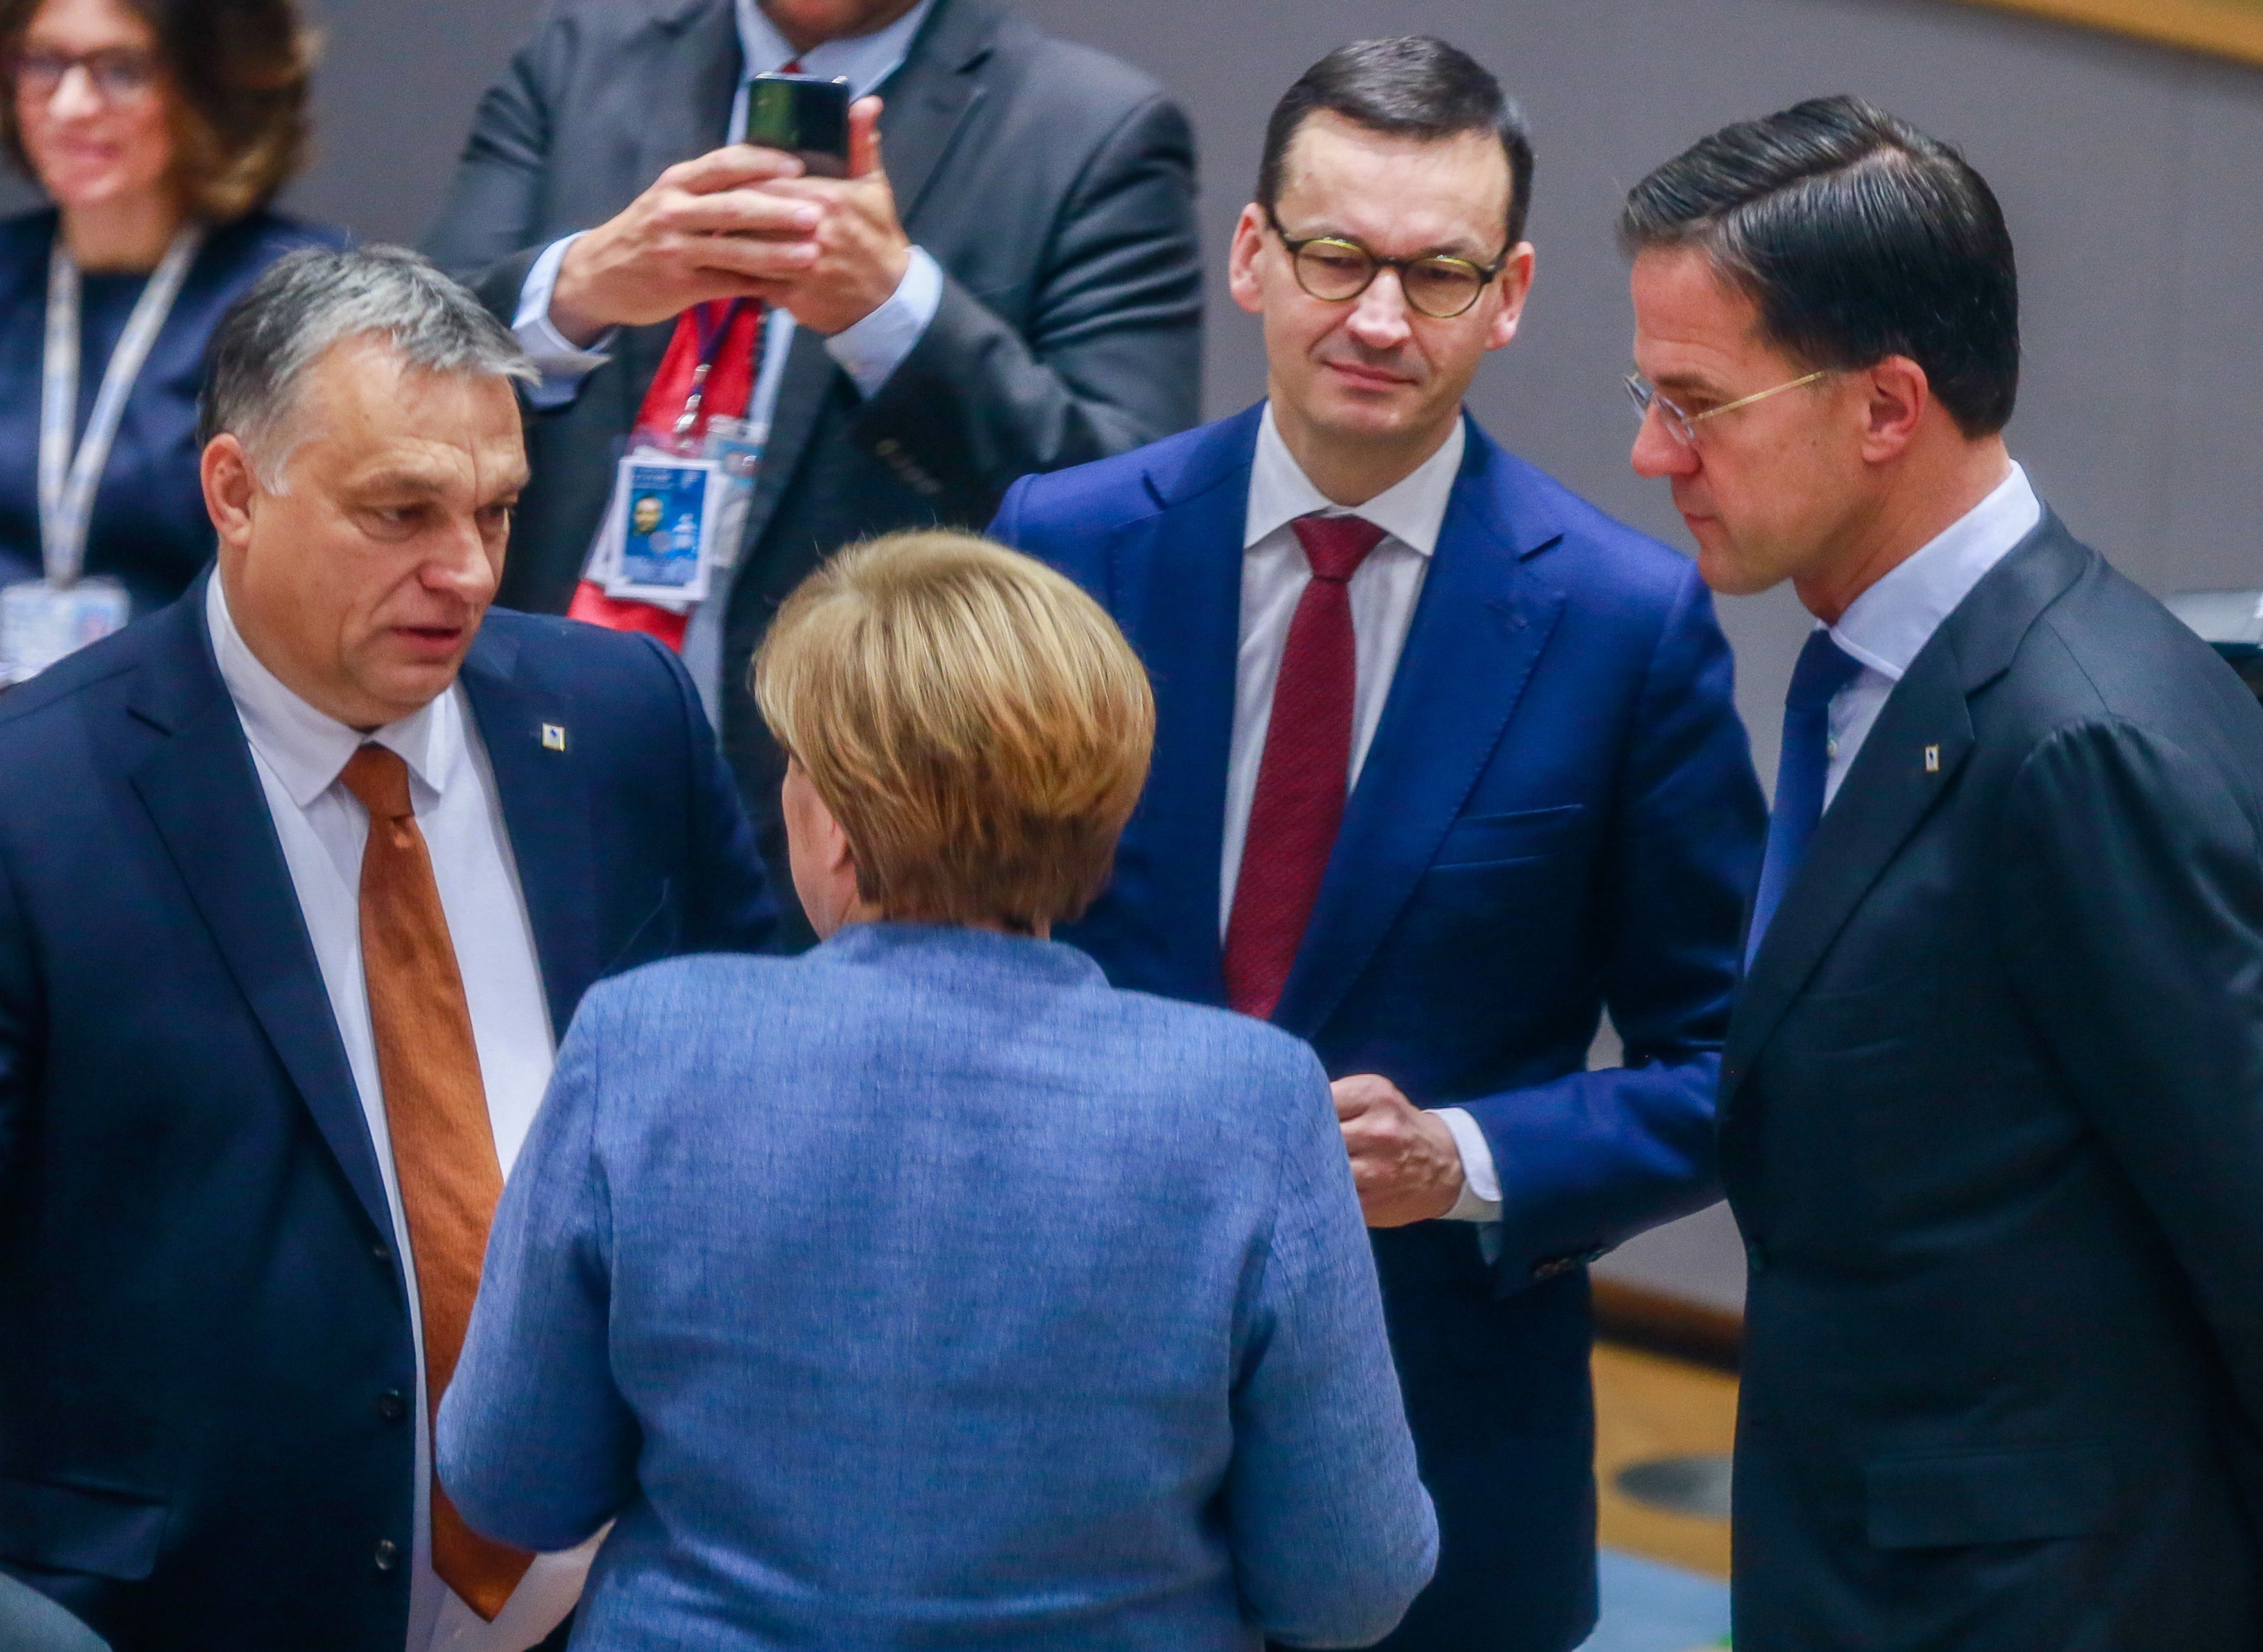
(315,298)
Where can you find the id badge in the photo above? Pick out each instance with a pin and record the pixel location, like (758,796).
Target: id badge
(737,447)
(41,623)
(664,519)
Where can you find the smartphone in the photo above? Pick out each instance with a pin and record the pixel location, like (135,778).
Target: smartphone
(804,115)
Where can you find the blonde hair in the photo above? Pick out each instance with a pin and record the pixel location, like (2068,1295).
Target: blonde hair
(977,725)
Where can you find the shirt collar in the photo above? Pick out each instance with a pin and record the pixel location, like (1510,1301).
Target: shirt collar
(1887,624)
(306,748)
(1411,510)
(864,60)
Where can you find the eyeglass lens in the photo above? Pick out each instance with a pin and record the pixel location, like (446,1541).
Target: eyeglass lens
(1676,422)
(1440,288)
(116,74)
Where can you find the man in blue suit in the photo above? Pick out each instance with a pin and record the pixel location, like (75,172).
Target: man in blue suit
(300,880)
(1446,764)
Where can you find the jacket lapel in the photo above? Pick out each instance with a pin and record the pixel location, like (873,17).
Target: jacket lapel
(1175,588)
(928,98)
(205,798)
(1908,761)
(546,810)
(1479,629)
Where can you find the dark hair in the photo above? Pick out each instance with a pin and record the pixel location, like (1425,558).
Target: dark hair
(1859,237)
(238,72)
(1414,86)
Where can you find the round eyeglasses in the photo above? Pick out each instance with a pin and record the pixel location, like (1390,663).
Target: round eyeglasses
(1682,426)
(1337,271)
(117,74)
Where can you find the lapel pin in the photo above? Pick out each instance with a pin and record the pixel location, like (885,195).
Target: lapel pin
(1932,758)
(554,738)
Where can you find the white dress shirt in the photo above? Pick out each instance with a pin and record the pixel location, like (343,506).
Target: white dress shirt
(299,753)
(1384,591)
(1887,624)
(870,350)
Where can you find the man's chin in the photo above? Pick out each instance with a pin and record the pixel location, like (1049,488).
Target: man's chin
(1721,569)
(1372,415)
(409,682)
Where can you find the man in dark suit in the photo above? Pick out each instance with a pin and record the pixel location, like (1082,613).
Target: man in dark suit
(1992,1098)
(300,880)
(1018,290)
(1445,765)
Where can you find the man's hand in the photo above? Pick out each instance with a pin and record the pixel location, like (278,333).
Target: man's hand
(1404,1162)
(862,249)
(706,230)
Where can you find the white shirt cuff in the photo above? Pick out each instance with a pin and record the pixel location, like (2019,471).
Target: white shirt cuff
(875,347)
(1480,1199)
(563,364)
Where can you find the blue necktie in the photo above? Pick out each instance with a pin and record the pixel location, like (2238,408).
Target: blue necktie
(1824,669)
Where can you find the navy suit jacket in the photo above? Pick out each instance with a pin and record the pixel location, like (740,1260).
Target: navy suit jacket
(1558,815)
(205,1340)
(1993,1124)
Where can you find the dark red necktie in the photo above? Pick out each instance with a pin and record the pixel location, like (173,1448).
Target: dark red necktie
(1302,778)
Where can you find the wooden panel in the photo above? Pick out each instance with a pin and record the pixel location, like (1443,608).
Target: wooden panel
(1658,1324)
(1647,1407)
(2230,28)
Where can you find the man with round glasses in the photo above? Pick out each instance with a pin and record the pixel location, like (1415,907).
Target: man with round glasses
(1445,765)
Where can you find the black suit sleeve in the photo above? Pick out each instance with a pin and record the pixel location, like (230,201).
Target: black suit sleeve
(728,906)
(2132,907)
(486,234)
(1111,354)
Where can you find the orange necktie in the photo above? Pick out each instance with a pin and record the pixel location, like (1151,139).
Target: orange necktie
(436,1108)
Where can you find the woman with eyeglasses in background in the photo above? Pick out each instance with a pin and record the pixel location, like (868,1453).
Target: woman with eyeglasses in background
(160,130)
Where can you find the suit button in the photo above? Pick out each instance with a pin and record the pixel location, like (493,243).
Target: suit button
(388,1555)
(1755,1255)
(382,1252)
(393,1405)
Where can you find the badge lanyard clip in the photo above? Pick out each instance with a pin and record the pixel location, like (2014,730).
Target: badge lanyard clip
(712,336)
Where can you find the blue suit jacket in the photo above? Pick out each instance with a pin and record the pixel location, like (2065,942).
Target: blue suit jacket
(205,1339)
(1558,815)
(919,1292)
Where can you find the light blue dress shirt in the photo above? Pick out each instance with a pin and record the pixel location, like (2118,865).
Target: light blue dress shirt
(868,351)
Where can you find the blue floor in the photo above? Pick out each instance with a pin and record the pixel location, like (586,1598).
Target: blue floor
(1651,1607)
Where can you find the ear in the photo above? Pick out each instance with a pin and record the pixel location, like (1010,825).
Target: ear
(230,485)
(1516,283)
(835,851)
(1241,278)
(1896,395)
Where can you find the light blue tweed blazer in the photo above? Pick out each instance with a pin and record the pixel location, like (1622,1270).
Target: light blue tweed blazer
(926,1292)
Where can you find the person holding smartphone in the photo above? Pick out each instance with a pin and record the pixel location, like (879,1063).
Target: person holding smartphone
(1007,279)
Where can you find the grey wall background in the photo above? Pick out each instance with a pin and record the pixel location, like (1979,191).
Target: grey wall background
(2129,173)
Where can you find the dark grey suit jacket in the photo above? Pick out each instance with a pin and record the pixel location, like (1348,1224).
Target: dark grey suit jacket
(1054,185)
(1993,1124)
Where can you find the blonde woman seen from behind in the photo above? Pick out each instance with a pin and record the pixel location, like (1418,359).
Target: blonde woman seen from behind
(925,1290)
